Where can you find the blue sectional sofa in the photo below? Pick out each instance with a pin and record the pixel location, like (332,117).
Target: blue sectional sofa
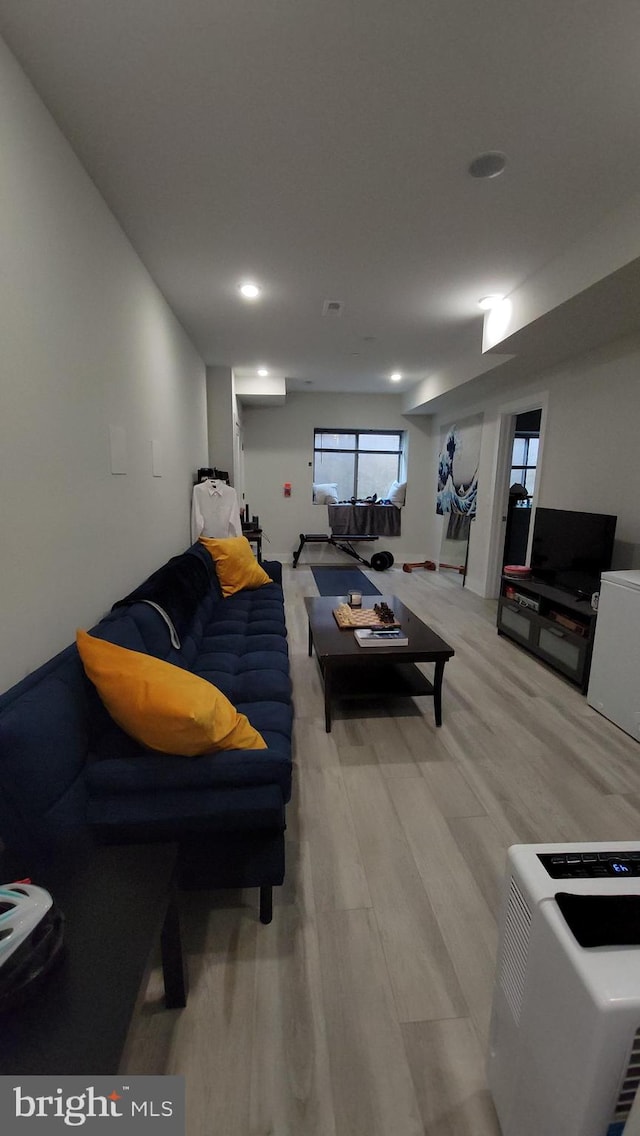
(69,774)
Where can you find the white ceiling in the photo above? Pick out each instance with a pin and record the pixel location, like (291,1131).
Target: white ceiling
(321,148)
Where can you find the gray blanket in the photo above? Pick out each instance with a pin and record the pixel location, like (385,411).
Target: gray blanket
(364,520)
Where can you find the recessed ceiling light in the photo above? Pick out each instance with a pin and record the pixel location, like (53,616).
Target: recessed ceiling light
(263,372)
(249,291)
(332,308)
(488,165)
(489,302)
(395,377)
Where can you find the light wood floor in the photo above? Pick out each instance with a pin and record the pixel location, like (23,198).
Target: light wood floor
(363,1008)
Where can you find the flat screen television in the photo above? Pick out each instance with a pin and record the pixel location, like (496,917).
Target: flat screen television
(570,550)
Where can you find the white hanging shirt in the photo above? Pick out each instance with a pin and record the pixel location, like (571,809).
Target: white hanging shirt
(214,510)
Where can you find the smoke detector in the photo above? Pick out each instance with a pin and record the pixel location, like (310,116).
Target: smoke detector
(488,165)
(332,308)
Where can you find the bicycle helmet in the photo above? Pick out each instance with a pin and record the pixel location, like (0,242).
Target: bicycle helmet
(31,934)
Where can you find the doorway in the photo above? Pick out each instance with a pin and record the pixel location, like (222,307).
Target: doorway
(522,483)
(506,461)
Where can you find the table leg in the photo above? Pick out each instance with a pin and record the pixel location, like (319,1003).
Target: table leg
(437,691)
(173,969)
(266,903)
(327,696)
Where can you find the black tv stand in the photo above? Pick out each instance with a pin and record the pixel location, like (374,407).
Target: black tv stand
(552,624)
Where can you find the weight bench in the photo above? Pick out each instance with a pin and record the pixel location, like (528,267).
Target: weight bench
(379,561)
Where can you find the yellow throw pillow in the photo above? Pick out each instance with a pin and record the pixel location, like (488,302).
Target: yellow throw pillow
(163,706)
(236,566)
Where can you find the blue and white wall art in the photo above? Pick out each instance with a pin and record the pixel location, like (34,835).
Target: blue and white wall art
(458,467)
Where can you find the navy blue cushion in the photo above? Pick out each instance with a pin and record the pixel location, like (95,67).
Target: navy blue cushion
(184,812)
(159,773)
(272,718)
(45,736)
(138,628)
(263,684)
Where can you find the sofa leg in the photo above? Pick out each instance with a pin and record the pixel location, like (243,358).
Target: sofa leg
(266,903)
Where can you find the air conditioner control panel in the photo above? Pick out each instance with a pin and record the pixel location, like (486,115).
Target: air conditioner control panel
(590,865)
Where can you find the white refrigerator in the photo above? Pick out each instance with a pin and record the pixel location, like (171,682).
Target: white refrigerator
(614,680)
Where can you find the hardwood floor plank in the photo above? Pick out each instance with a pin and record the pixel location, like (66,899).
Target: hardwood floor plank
(308,698)
(584,737)
(450,789)
(394,756)
(314,747)
(422,976)
(447,1065)
(420,734)
(466,923)
(356,755)
(485,853)
(290,1086)
(373,1092)
(339,879)
(351,720)
(472,745)
(212,1038)
(404,738)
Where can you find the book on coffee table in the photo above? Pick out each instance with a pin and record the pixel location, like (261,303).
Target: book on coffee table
(372,637)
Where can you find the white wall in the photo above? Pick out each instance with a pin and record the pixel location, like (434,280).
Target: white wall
(220,401)
(592,445)
(279,447)
(590,458)
(87,342)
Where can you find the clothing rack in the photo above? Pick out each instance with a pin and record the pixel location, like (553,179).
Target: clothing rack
(207,472)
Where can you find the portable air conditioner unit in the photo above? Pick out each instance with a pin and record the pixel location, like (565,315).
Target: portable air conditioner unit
(564,1047)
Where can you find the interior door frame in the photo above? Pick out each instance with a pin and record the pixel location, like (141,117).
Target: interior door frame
(238,458)
(507,415)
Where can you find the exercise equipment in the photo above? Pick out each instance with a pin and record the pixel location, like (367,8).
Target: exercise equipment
(431,566)
(379,561)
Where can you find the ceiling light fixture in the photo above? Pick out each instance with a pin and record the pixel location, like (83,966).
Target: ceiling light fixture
(496,324)
(395,377)
(263,372)
(249,291)
(489,302)
(488,165)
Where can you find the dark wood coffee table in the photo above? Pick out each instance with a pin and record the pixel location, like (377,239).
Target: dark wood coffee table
(351,671)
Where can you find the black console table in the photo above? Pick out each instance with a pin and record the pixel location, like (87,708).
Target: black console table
(116,903)
(549,623)
(253,534)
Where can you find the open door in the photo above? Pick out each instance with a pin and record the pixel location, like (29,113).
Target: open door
(518,463)
(522,483)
